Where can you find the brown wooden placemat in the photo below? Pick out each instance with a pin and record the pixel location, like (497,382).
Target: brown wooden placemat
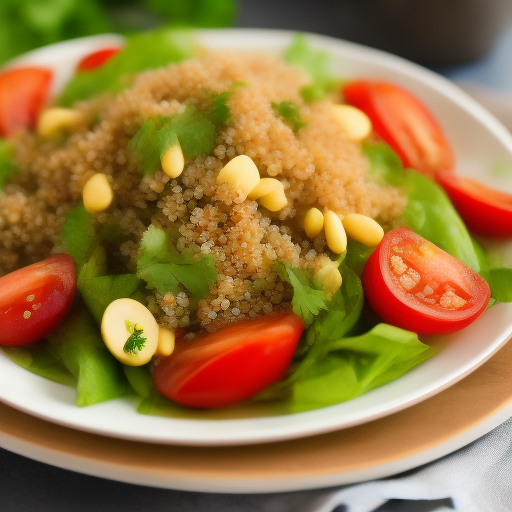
(393,438)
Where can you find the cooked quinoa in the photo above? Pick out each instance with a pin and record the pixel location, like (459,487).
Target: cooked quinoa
(318,166)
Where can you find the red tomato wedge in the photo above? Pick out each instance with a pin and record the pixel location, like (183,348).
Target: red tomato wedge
(232,364)
(411,283)
(96,59)
(485,211)
(34,300)
(403,122)
(23,92)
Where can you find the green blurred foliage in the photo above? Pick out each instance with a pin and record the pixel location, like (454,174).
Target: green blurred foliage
(28,24)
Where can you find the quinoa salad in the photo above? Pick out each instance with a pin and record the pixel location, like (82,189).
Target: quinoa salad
(230,226)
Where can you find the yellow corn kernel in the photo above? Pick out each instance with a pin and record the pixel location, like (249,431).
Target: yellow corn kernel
(53,121)
(97,193)
(265,186)
(241,173)
(363,229)
(313,222)
(166,339)
(335,235)
(355,123)
(173,161)
(328,278)
(274,201)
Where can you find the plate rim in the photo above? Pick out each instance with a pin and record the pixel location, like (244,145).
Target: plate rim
(426,76)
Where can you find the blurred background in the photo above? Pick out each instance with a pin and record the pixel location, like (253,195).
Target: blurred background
(431,32)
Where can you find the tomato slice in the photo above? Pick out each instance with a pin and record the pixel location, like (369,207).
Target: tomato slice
(232,364)
(23,93)
(411,283)
(35,299)
(96,59)
(485,211)
(403,122)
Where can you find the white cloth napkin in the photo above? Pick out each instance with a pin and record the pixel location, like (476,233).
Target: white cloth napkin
(478,478)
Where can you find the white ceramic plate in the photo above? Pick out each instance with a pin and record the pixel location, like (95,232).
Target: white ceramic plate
(480,143)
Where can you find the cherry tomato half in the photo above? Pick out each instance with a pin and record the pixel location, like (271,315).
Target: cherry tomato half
(403,122)
(96,59)
(485,211)
(35,299)
(411,283)
(232,364)
(23,93)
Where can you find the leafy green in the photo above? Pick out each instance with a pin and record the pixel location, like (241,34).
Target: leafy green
(291,112)
(348,367)
(194,131)
(28,24)
(98,290)
(316,63)
(500,282)
(431,215)
(196,13)
(429,211)
(78,234)
(143,51)
(41,360)
(79,345)
(385,165)
(164,268)
(307,301)
(219,113)
(7,167)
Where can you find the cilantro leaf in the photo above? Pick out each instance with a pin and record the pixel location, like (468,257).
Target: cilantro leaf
(7,167)
(164,269)
(314,62)
(291,112)
(307,301)
(78,234)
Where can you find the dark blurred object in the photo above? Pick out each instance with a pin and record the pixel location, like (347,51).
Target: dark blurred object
(431,32)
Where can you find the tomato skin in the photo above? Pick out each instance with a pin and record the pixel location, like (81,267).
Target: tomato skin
(232,364)
(52,283)
(485,211)
(403,122)
(437,269)
(96,59)
(23,92)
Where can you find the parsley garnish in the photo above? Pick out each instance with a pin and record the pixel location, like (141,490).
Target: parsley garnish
(136,341)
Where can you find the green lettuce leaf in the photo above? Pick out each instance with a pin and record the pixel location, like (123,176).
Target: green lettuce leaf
(7,167)
(41,360)
(78,235)
(316,63)
(142,51)
(348,367)
(80,347)
(430,214)
(98,289)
